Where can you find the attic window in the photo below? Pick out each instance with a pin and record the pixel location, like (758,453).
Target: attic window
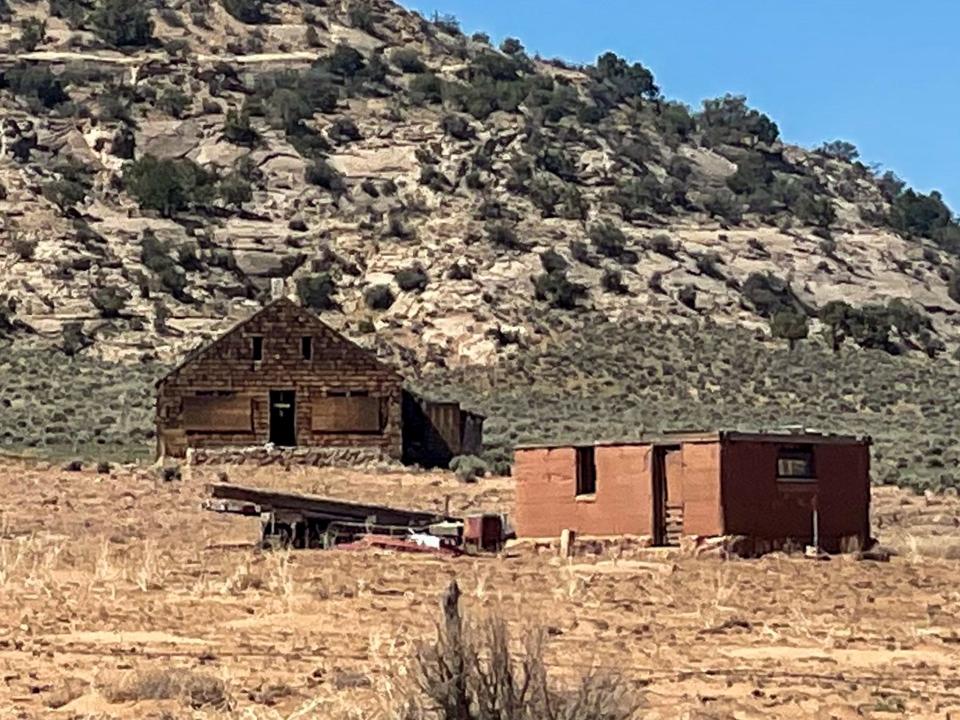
(257,349)
(306,347)
(796,464)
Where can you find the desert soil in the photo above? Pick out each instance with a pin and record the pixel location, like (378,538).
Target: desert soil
(107,580)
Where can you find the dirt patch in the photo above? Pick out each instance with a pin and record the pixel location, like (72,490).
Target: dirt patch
(125,578)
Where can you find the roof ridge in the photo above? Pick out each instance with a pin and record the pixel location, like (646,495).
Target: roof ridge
(283,300)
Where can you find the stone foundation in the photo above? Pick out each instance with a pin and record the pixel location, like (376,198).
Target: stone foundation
(343,457)
(717,547)
(585,545)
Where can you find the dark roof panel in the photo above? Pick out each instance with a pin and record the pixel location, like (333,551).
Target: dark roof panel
(686,436)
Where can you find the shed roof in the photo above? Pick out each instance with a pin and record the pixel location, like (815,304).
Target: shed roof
(200,350)
(803,437)
(423,398)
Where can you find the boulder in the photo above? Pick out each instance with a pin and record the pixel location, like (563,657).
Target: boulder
(168,138)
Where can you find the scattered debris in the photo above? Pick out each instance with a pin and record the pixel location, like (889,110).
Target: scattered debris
(69,690)
(306,521)
(878,553)
(343,680)
(731,624)
(170,472)
(388,542)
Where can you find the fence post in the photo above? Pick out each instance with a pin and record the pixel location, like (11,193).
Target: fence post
(458,703)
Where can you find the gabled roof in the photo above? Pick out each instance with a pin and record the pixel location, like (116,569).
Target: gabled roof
(202,349)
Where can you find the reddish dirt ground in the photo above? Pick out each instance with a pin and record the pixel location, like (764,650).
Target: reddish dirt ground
(107,578)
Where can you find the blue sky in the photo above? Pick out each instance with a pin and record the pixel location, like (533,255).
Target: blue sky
(881,74)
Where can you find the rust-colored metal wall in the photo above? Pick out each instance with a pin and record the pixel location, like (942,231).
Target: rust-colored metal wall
(758,505)
(336,366)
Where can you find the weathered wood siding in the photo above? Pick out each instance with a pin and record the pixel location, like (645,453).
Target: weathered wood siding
(226,373)
(436,432)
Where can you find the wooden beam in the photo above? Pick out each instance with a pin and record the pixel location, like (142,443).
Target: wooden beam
(311,505)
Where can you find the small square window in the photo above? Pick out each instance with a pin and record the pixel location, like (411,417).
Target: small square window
(586,471)
(306,348)
(257,349)
(795,463)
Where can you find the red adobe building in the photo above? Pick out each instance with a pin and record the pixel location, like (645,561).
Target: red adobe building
(770,488)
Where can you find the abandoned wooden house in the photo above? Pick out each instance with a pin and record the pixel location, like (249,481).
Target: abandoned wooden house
(768,489)
(284,377)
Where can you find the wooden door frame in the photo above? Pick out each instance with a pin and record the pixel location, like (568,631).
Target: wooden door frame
(293,419)
(658,494)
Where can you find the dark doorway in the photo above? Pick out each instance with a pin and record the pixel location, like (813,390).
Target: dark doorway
(283,416)
(667,510)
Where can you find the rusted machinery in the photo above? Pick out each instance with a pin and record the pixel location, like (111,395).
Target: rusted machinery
(306,521)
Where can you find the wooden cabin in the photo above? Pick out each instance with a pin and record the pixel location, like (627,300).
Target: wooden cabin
(284,377)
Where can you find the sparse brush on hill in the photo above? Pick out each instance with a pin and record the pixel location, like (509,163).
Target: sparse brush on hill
(122,23)
(621,380)
(169,186)
(450,178)
(317,291)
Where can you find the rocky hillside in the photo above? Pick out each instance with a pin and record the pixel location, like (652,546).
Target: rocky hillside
(562,247)
(450,200)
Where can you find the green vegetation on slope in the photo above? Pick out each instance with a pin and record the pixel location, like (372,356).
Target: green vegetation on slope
(608,381)
(53,405)
(624,380)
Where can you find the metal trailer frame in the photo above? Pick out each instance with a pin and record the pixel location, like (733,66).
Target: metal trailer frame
(307,521)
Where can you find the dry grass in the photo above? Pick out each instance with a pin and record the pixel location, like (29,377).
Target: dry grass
(105,585)
(192,688)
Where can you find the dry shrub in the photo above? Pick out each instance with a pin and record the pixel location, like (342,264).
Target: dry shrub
(69,689)
(192,688)
(472,671)
(243,578)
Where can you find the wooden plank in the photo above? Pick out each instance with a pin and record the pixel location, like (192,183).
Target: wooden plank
(322,507)
(346,414)
(445,417)
(673,466)
(217,414)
